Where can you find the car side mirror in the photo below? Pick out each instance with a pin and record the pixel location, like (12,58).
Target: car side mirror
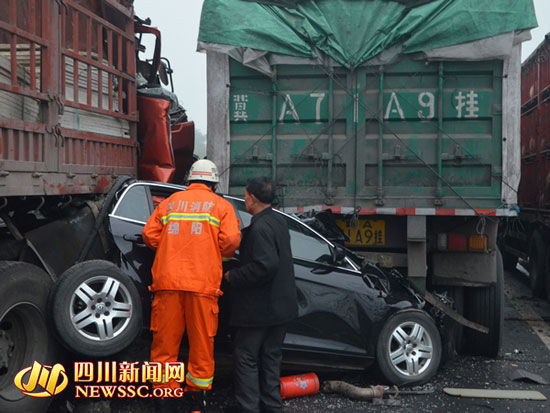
(321,270)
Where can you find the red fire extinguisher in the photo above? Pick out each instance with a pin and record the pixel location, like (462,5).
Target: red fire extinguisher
(299,385)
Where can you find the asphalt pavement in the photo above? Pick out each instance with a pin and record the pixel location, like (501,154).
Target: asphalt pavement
(526,345)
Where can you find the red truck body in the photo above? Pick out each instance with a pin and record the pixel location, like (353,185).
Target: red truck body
(534,190)
(61,139)
(526,238)
(57,138)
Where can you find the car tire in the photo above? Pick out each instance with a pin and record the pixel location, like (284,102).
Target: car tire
(537,265)
(96,309)
(24,333)
(485,306)
(405,336)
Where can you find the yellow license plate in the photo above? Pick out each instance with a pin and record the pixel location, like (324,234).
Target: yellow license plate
(367,232)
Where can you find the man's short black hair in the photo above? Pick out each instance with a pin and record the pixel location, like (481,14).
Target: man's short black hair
(261,188)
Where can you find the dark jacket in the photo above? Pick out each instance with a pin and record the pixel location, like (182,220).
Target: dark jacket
(263,290)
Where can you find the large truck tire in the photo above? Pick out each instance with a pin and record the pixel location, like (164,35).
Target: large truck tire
(537,265)
(485,306)
(96,309)
(24,333)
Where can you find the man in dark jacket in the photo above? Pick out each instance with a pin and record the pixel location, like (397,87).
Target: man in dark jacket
(263,301)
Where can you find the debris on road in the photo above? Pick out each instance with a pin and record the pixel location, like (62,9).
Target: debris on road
(386,402)
(495,394)
(524,375)
(395,391)
(353,392)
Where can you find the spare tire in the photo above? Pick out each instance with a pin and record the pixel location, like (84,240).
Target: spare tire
(96,309)
(24,333)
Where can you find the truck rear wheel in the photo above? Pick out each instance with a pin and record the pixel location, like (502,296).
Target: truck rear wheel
(24,333)
(486,307)
(537,264)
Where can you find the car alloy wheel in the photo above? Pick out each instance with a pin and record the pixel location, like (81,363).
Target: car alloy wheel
(96,309)
(411,349)
(101,308)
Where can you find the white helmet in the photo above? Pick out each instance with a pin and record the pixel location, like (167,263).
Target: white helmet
(204,170)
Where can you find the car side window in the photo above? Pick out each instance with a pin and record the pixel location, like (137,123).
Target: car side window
(304,243)
(134,204)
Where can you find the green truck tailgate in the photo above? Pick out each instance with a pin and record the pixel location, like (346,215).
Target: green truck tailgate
(415,134)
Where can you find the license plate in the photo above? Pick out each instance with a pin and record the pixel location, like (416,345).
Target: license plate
(367,233)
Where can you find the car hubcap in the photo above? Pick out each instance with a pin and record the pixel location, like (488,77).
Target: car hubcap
(411,349)
(101,308)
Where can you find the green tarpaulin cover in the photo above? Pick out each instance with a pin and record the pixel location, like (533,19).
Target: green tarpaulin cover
(354,31)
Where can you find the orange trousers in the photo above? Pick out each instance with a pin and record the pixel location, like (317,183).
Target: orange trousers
(174,311)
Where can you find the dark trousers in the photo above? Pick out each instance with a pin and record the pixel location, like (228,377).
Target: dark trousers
(257,365)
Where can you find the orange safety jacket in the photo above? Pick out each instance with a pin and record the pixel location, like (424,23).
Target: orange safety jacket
(191,231)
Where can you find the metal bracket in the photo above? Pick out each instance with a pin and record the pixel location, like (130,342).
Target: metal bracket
(3,175)
(58,135)
(36,178)
(59,100)
(19,237)
(398,154)
(433,300)
(256,156)
(102,233)
(458,155)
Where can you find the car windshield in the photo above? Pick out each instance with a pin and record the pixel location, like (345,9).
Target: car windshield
(305,244)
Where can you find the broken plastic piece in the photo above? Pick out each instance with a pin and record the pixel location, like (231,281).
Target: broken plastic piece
(524,375)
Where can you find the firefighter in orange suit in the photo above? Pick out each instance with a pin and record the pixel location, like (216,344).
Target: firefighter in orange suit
(192,231)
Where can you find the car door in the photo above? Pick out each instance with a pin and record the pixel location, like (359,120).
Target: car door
(330,299)
(129,216)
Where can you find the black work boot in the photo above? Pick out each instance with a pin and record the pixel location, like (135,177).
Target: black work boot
(197,401)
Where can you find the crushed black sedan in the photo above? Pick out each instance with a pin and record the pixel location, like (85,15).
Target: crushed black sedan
(350,314)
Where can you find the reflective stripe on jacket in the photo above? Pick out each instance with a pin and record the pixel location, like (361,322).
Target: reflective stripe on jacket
(191,231)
